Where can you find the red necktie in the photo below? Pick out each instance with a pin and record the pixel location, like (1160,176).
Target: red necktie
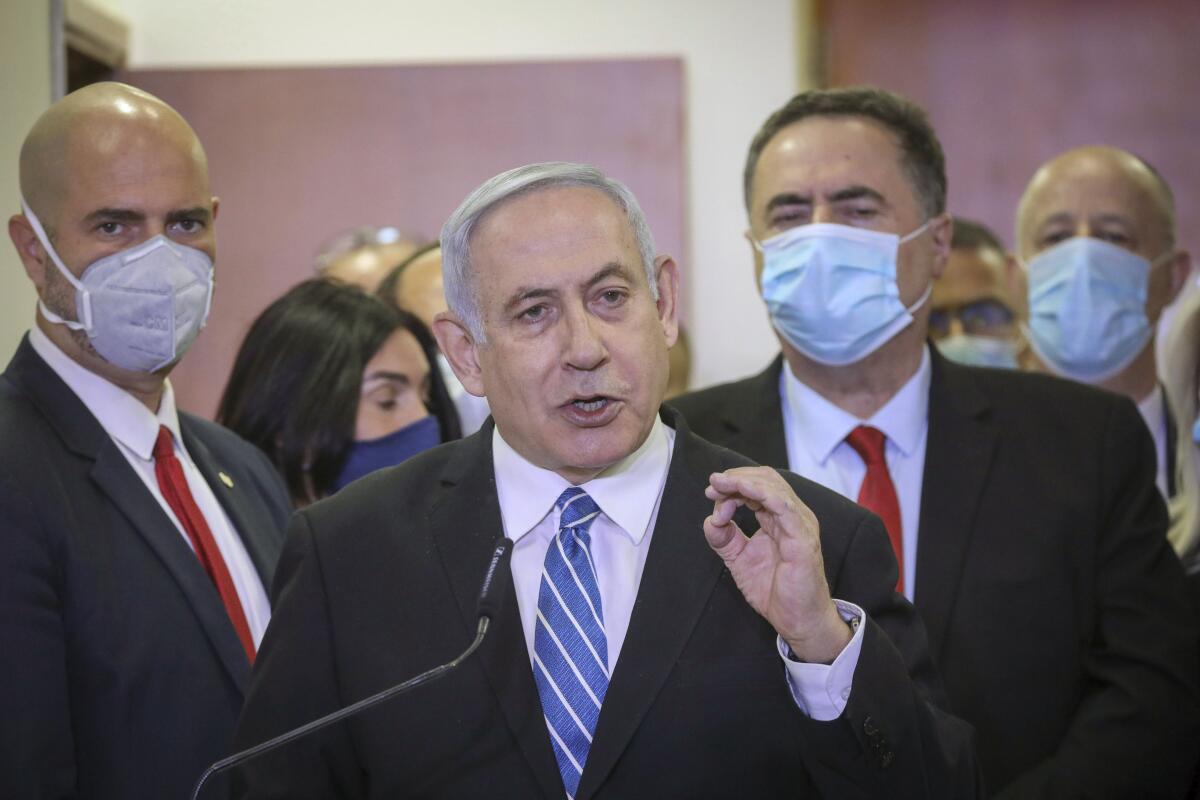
(173,485)
(878,493)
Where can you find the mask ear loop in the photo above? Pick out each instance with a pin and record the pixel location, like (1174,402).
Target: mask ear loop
(38,230)
(914,234)
(928,289)
(921,300)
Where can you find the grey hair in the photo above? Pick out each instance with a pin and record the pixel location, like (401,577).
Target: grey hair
(461,295)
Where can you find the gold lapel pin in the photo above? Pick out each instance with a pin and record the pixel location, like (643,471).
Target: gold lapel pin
(225,479)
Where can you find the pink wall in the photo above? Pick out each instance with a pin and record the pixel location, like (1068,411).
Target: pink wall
(297,155)
(1010,84)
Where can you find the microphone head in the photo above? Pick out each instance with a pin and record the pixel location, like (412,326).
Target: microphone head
(491,593)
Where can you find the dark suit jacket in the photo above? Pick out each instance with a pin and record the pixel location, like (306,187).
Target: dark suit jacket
(380,583)
(1055,608)
(120,673)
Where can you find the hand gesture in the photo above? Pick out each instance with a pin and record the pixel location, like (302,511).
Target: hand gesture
(779,569)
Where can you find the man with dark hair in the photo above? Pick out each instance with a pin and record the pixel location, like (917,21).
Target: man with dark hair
(974,317)
(970,235)
(1021,508)
(136,540)
(920,151)
(1096,233)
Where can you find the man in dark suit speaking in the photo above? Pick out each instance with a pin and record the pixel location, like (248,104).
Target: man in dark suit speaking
(136,541)
(1023,509)
(632,658)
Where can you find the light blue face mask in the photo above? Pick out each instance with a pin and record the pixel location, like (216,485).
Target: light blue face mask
(979,351)
(1087,308)
(1196,432)
(831,290)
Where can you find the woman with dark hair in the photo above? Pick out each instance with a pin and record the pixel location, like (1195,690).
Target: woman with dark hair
(332,384)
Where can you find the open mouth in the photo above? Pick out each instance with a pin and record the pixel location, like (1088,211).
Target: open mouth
(591,404)
(592,411)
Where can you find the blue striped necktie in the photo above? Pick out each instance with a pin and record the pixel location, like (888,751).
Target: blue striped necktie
(570,648)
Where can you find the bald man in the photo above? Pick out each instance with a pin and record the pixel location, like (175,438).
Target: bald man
(136,541)
(416,286)
(1096,233)
(364,256)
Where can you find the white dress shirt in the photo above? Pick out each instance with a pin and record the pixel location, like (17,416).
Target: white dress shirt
(472,411)
(816,430)
(628,494)
(1154,412)
(134,430)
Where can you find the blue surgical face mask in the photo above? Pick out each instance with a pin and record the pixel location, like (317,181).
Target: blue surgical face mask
(1196,432)
(979,351)
(1087,308)
(387,451)
(142,307)
(831,290)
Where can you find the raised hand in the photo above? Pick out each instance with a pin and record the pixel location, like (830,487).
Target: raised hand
(779,569)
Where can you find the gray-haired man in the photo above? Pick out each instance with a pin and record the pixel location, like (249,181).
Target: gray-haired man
(647,647)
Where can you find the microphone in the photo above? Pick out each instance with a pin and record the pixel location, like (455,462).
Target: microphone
(491,600)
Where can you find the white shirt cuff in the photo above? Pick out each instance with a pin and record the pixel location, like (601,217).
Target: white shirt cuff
(822,690)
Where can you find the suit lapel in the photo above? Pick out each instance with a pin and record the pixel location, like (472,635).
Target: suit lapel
(248,522)
(958,457)
(465,523)
(679,576)
(82,434)
(1171,432)
(127,492)
(752,419)
(764,422)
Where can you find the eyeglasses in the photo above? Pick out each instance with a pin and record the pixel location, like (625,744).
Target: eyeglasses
(980,317)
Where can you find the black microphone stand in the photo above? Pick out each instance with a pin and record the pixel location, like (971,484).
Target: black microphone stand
(489,606)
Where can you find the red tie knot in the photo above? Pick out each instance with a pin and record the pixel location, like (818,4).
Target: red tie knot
(164,445)
(868,443)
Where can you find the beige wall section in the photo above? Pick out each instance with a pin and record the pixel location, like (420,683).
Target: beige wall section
(24,94)
(741,61)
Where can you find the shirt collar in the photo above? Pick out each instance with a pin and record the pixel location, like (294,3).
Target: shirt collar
(823,426)
(119,413)
(1152,409)
(627,492)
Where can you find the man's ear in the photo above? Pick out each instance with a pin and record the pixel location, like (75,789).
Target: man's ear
(666,274)
(941,234)
(1181,271)
(1017,283)
(33,256)
(756,257)
(459,347)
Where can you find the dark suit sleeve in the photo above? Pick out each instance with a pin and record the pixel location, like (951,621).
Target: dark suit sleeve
(273,489)
(36,749)
(294,682)
(892,739)
(1141,704)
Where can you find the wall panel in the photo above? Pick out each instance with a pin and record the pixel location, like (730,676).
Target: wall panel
(297,155)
